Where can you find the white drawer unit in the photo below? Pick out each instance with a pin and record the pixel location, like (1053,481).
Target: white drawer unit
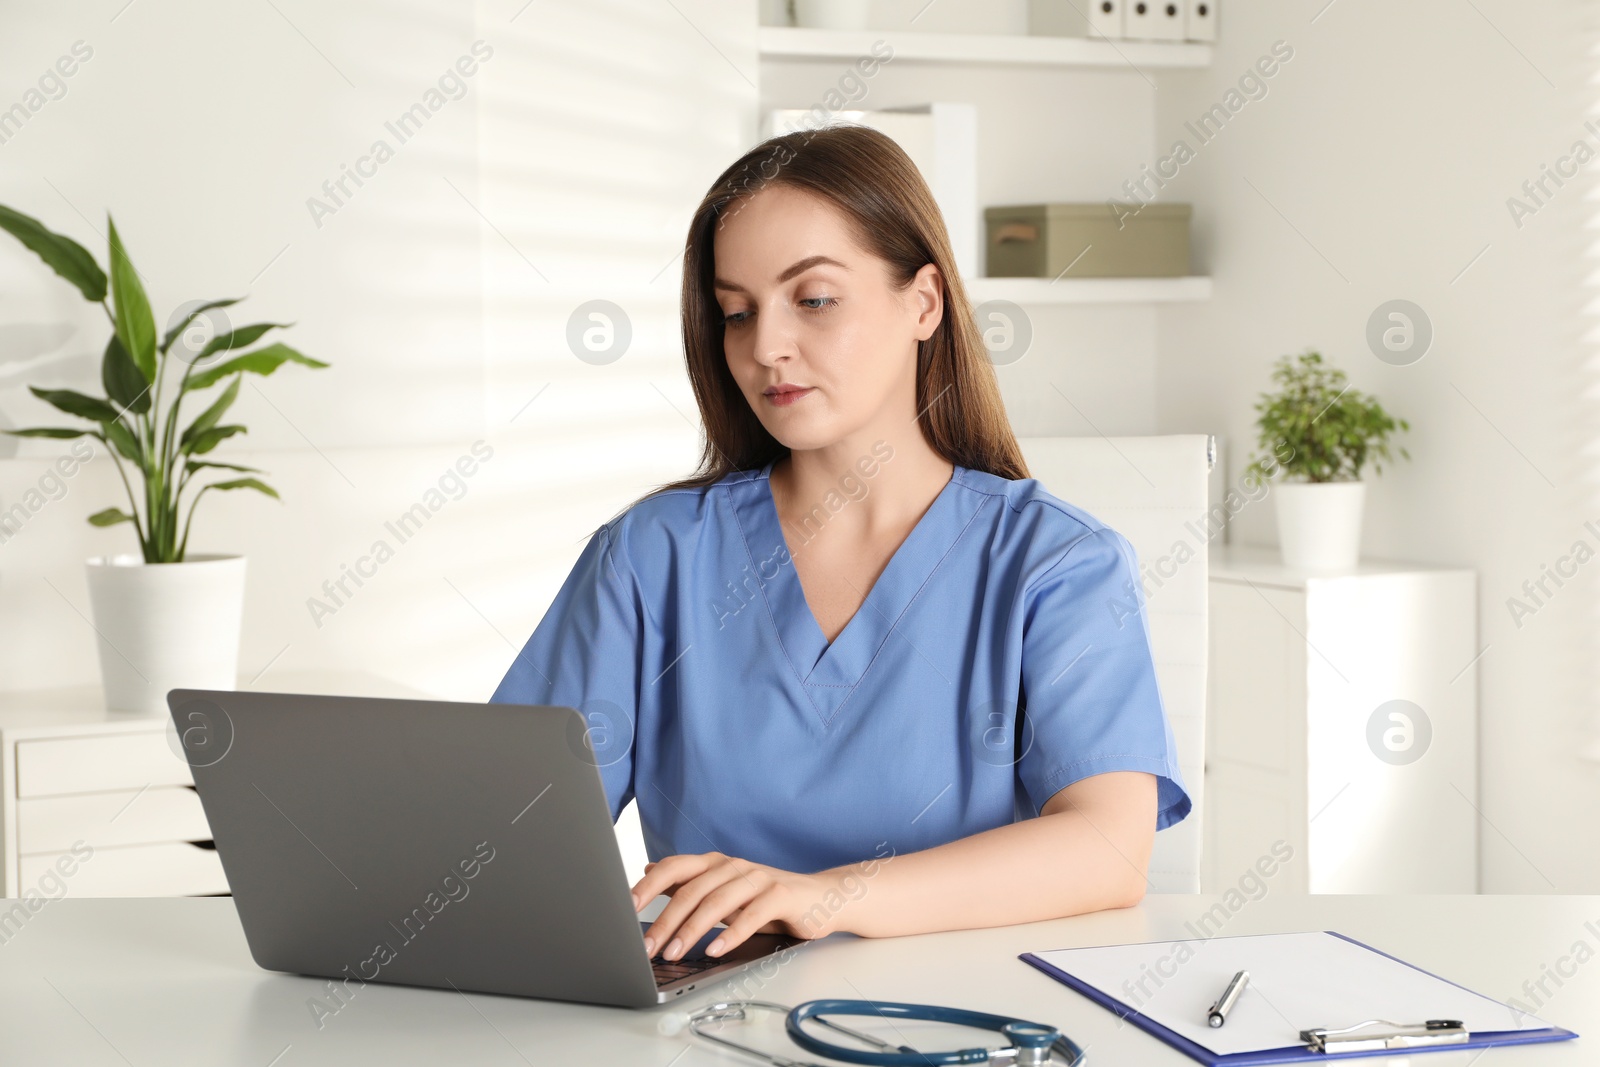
(84,764)
(108,820)
(78,781)
(97,803)
(170,870)
(1341,747)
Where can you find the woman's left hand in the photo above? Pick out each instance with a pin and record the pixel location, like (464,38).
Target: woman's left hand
(709,887)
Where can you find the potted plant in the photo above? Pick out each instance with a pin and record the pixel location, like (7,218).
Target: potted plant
(166,617)
(1319,434)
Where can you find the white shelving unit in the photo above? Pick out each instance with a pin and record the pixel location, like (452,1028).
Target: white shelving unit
(779,44)
(1090,290)
(789,42)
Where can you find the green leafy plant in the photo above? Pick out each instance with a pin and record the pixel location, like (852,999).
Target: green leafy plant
(1318,429)
(129,419)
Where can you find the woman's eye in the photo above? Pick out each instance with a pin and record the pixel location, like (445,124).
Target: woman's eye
(814,303)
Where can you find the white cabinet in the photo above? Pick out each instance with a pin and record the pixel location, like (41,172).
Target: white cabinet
(97,803)
(1341,727)
(101,804)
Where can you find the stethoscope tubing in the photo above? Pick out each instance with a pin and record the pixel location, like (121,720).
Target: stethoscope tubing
(884,1053)
(902,1056)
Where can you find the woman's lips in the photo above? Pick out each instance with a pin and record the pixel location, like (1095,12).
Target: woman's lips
(787,396)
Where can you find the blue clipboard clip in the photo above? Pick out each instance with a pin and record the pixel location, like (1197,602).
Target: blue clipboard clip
(1360,1037)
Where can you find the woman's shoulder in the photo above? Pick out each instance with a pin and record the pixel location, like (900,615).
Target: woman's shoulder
(1024,508)
(1048,538)
(650,528)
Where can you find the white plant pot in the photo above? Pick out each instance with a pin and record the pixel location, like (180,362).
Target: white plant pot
(1319,524)
(165,625)
(831,14)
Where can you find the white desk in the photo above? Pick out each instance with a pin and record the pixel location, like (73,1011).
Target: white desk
(170,982)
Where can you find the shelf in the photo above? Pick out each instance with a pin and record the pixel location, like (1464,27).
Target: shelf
(790,42)
(1090,290)
(1262,565)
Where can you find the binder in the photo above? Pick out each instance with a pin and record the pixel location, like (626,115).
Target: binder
(1300,981)
(1200,20)
(1139,19)
(1105,18)
(1167,20)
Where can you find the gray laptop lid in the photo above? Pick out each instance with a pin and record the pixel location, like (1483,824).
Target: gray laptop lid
(420,842)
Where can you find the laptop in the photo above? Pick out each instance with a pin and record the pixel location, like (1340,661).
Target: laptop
(428,843)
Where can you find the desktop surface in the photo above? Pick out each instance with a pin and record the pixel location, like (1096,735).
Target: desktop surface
(170,981)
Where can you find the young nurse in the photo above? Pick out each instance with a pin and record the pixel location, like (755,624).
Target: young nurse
(860,646)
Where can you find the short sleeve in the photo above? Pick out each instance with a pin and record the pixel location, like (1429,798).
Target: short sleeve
(1090,699)
(586,654)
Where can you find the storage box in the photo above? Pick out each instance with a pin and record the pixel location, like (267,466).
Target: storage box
(1094,240)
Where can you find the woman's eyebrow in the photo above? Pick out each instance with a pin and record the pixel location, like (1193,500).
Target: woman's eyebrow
(789,272)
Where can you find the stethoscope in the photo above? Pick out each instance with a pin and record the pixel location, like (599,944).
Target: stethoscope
(1032,1044)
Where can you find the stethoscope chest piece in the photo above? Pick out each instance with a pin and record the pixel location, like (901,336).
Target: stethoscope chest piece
(1033,1042)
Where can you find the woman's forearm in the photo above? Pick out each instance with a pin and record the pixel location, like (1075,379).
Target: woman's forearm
(1090,851)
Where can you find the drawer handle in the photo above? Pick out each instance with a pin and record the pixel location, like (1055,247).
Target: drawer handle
(1015,231)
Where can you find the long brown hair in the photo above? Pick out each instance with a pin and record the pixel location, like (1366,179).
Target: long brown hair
(892,214)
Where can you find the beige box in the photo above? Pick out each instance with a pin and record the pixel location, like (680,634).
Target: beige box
(1094,240)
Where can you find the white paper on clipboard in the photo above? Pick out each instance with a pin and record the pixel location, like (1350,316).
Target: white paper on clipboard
(1298,981)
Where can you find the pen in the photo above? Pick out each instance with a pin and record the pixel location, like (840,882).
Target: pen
(1219,1011)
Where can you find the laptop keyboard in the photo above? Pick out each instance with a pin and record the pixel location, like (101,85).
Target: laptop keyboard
(692,962)
(668,971)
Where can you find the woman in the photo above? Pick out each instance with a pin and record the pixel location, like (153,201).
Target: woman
(860,672)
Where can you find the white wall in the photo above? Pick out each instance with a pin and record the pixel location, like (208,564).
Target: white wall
(584,141)
(440,292)
(207,156)
(1378,166)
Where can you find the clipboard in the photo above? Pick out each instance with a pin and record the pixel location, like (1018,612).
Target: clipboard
(1300,981)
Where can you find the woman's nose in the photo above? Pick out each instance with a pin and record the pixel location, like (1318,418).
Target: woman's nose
(774,329)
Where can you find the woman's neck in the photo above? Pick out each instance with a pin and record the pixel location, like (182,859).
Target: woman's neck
(882,486)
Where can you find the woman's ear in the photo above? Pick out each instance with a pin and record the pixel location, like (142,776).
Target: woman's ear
(927,288)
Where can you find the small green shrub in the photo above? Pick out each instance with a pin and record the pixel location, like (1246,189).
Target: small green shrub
(1316,428)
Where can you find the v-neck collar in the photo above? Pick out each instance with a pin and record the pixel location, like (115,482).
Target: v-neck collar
(831,671)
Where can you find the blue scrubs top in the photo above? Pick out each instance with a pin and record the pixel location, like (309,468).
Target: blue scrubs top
(683,636)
